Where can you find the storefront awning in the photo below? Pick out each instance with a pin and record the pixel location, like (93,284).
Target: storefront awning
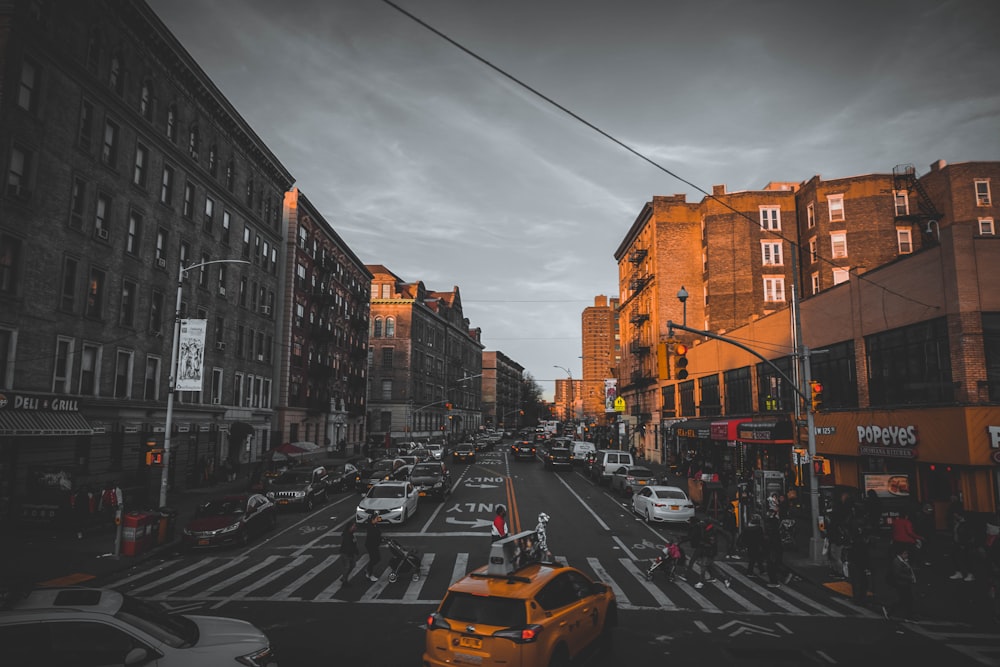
(31,422)
(727,429)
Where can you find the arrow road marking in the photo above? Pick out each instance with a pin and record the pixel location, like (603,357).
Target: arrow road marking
(478,523)
(748,628)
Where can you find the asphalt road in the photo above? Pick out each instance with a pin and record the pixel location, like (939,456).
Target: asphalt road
(289,585)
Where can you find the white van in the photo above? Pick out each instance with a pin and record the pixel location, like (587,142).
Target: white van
(607,461)
(581,450)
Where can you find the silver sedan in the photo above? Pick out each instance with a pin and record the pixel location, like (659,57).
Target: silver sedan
(662,503)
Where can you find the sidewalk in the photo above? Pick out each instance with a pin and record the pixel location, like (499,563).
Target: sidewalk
(32,556)
(938,598)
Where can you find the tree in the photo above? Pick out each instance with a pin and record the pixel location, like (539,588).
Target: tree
(531,400)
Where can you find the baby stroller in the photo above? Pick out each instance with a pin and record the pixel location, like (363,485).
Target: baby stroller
(667,562)
(403,561)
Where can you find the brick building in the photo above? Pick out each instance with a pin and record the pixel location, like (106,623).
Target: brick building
(502,400)
(601,349)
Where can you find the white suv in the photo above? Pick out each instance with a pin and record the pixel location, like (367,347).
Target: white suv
(99,626)
(436,450)
(606,461)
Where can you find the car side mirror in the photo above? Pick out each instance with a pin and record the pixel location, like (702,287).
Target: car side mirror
(136,656)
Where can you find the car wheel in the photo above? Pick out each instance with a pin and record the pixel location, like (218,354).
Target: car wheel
(310,503)
(560,657)
(392,577)
(606,640)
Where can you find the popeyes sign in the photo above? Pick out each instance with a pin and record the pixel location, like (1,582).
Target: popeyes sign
(889,441)
(994,434)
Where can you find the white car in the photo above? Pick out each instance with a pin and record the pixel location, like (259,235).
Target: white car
(581,451)
(662,503)
(436,450)
(394,501)
(98,626)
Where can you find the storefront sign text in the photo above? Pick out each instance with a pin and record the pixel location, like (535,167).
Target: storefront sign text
(20,402)
(994,433)
(888,452)
(887,436)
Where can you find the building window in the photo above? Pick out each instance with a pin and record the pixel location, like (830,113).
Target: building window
(246,242)
(90,369)
(811,215)
(193,142)
(209,213)
(377,328)
(986,227)
(770,218)
(67,298)
(841,276)
(146,100)
(130,290)
(230,174)
(123,374)
(167,185)
(836,205)
(203,271)
(95,294)
(109,150)
(387,353)
(187,206)
(156,314)
(94,46)
(18,172)
(386,390)
(771,253)
(141,160)
(390,327)
(8,345)
(85,131)
(134,233)
(116,75)
(151,380)
(249,193)
(172,122)
(222,280)
(102,217)
(982,192)
(386,291)
(838,245)
(910,365)
(27,92)
(902,202)
(213,160)
(904,240)
(774,289)
(814,278)
(10,264)
(63,369)
(226,220)
(813,255)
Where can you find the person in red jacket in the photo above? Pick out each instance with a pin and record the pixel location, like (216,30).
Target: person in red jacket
(903,534)
(499,529)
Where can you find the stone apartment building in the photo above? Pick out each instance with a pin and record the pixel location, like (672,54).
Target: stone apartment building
(502,381)
(425,363)
(323,360)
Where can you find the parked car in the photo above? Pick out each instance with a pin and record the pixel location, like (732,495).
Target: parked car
(522,449)
(606,460)
(539,614)
(431,478)
(342,476)
(230,520)
(394,501)
(100,626)
(464,452)
(582,451)
(558,455)
(626,480)
(299,488)
(663,503)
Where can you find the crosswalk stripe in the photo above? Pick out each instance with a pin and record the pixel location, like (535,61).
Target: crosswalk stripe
(308,576)
(244,574)
(602,574)
(201,577)
(376,588)
(654,590)
(331,590)
(160,580)
(278,571)
(460,568)
(413,590)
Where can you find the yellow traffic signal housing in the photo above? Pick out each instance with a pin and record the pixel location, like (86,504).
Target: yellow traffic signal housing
(681,360)
(663,360)
(821,465)
(154,457)
(816,391)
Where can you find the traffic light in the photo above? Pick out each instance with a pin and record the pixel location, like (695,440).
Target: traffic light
(816,389)
(821,465)
(681,360)
(154,457)
(447,406)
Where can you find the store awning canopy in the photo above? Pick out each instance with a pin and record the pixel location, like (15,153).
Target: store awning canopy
(30,422)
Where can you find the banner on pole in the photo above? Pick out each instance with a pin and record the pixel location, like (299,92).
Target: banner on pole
(610,394)
(191,355)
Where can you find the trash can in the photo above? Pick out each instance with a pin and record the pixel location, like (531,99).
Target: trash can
(131,533)
(168,524)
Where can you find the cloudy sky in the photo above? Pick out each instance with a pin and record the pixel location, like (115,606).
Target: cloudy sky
(428,161)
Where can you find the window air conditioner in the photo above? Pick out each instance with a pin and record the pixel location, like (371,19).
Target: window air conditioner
(101,234)
(220,346)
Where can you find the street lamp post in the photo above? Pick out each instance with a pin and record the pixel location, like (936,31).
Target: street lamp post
(570,407)
(165,472)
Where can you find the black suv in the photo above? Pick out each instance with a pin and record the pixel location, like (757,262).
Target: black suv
(431,478)
(299,487)
(522,449)
(559,455)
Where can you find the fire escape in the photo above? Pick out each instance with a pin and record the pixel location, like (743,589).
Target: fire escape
(926,217)
(643,368)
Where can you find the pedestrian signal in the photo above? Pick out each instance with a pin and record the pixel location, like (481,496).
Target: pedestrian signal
(154,457)
(821,466)
(680,360)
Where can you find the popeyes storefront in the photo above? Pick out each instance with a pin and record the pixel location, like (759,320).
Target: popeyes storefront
(942,452)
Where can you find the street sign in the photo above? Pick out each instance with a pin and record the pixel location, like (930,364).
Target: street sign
(619,404)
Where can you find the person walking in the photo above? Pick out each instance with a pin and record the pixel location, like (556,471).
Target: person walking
(774,550)
(902,579)
(708,549)
(82,503)
(499,529)
(349,549)
(694,539)
(373,541)
(904,537)
(860,564)
(752,539)
(112,500)
(873,510)
(963,547)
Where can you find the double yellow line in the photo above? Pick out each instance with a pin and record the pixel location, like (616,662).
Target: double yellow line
(513,516)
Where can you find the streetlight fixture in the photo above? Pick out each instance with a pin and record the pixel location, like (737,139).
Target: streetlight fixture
(682,296)
(165,473)
(570,408)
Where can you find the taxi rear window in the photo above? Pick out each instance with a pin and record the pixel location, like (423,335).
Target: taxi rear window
(466,608)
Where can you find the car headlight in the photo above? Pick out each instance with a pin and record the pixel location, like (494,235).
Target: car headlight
(270,495)
(188,531)
(229,529)
(259,658)
(300,494)
(438,483)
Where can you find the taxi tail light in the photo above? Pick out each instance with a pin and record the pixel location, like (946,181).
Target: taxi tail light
(436,622)
(525,635)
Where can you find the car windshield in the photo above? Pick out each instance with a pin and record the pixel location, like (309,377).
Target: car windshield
(464,448)
(292,477)
(640,472)
(671,494)
(382,467)
(220,507)
(386,491)
(171,629)
(491,610)
(426,469)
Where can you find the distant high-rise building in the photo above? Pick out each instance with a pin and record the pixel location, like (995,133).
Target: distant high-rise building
(601,352)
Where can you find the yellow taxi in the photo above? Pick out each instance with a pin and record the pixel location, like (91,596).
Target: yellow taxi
(519,611)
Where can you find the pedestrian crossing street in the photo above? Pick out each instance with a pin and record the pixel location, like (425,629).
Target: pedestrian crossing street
(316,576)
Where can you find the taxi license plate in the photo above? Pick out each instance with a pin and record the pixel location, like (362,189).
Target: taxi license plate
(470,642)
(675,507)
(202,542)
(642,482)
(282,502)
(423,493)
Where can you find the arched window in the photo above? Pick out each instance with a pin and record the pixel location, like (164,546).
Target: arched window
(377,333)
(390,327)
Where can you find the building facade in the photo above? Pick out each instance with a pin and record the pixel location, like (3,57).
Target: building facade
(124,164)
(322,392)
(425,363)
(502,383)
(601,348)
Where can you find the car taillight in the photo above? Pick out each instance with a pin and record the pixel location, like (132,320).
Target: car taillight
(525,635)
(436,622)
